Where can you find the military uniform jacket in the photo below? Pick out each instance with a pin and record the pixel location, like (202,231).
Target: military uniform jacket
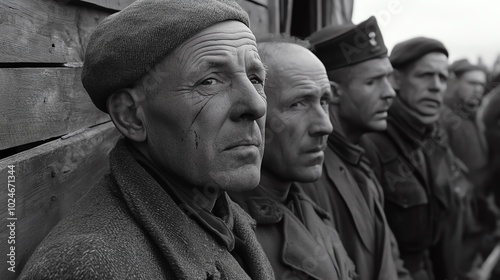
(297,237)
(128,227)
(465,139)
(424,188)
(357,213)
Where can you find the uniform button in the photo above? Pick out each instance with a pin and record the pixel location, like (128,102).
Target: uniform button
(453,168)
(342,170)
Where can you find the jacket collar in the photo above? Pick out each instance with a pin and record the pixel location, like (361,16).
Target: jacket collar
(218,220)
(190,251)
(345,183)
(414,131)
(351,153)
(266,210)
(298,242)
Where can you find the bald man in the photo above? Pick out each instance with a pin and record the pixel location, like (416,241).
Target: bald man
(294,232)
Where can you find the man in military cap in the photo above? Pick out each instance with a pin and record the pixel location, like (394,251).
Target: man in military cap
(358,68)
(422,181)
(183,82)
(295,233)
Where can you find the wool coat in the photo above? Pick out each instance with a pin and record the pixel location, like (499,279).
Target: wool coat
(371,246)
(297,236)
(128,227)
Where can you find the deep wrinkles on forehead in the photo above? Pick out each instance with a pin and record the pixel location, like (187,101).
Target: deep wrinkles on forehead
(310,79)
(226,41)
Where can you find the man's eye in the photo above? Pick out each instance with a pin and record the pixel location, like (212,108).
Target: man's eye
(370,82)
(325,101)
(297,104)
(256,81)
(209,82)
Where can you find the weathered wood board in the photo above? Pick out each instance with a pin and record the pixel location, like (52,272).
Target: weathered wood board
(49,179)
(45,31)
(41,103)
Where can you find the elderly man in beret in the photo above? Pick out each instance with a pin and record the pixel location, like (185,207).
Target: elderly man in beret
(463,97)
(183,82)
(358,68)
(422,180)
(295,233)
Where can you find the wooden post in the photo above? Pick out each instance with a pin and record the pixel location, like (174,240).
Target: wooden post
(319,14)
(289,11)
(273,8)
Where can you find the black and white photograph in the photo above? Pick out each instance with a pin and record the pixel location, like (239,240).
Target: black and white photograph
(250,139)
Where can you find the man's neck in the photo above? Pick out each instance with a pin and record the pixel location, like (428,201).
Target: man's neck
(183,188)
(276,188)
(350,132)
(418,122)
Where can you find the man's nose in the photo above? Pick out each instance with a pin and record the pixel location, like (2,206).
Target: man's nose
(479,91)
(321,124)
(388,91)
(437,85)
(249,104)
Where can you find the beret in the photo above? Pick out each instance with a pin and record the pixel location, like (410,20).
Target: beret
(345,45)
(125,45)
(463,65)
(411,50)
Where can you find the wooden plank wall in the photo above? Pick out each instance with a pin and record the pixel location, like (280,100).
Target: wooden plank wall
(42,47)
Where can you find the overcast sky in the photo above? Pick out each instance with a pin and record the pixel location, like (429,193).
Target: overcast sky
(468,28)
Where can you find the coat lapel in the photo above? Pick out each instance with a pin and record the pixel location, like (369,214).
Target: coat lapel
(304,253)
(255,258)
(354,199)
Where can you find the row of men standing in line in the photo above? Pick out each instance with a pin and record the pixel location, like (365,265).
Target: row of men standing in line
(404,153)
(343,228)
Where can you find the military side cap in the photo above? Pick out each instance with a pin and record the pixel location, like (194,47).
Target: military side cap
(463,65)
(411,50)
(125,45)
(346,45)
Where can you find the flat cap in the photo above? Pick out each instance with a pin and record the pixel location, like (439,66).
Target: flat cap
(125,45)
(463,65)
(411,50)
(346,45)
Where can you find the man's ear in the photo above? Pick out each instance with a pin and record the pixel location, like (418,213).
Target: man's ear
(126,112)
(395,79)
(336,92)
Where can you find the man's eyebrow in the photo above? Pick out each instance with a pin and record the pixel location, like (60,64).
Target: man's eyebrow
(379,75)
(207,64)
(257,67)
(213,64)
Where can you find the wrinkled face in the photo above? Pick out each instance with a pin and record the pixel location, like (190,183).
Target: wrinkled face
(422,85)
(297,114)
(206,122)
(470,86)
(364,101)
